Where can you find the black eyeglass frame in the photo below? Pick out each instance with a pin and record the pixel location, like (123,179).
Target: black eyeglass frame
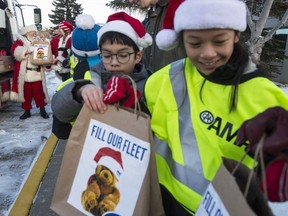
(117,57)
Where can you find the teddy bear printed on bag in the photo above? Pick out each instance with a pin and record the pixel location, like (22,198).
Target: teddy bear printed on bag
(101,194)
(40,53)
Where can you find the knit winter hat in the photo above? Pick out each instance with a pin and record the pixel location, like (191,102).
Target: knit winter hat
(24,30)
(129,26)
(66,26)
(84,37)
(199,15)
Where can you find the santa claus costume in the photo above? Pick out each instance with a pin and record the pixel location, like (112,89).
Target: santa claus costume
(64,50)
(54,42)
(28,80)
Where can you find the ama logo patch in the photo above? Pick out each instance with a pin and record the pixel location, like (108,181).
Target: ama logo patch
(206,117)
(224,129)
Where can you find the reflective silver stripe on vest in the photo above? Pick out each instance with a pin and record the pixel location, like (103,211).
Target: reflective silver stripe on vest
(191,174)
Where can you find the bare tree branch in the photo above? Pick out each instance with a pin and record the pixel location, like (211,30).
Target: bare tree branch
(276,27)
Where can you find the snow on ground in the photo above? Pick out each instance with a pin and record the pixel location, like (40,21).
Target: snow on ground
(22,140)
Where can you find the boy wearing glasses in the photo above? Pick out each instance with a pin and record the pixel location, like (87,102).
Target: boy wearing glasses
(121,41)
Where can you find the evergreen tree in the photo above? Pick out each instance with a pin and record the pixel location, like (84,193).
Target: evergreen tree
(125,5)
(65,10)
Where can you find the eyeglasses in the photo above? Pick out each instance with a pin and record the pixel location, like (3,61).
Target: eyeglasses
(122,57)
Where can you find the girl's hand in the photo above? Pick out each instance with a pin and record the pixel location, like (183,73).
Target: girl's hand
(93,97)
(274,124)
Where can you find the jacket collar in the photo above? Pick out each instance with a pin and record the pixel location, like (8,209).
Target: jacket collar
(226,74)
(139,73)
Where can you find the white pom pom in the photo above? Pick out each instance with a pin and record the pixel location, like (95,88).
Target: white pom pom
(84,21)
(167,39)
(145,41)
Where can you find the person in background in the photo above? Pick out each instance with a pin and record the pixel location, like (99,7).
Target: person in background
(84,48)
(198,103)
(85,54)
(44,36)
(28,80)
(121,41)
(64,50)
(155,58)
(54,42)
(273,125)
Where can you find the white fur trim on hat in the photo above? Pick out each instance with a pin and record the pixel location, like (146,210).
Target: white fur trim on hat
(145,41)
(85,53)
(209,14)
(166,39)
(204,14)
(24,30)
(126,29)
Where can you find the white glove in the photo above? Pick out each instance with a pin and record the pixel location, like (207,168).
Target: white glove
(30,49)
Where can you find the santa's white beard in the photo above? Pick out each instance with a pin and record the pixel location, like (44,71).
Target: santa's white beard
(31,39)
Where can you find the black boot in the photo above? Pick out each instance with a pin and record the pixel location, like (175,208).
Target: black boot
(25,115)
(43,113)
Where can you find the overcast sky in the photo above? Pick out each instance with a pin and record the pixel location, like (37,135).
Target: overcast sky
(96,8)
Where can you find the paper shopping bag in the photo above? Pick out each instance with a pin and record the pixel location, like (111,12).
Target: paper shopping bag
(42,54)
(108,167)
(224,195)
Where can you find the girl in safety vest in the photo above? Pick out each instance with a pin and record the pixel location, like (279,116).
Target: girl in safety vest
(198,103)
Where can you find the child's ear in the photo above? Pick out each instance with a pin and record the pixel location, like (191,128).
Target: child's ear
(237,37)
(138,57)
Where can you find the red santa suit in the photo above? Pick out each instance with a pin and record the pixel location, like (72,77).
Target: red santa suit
(54,45)
(63,44)
(28,79)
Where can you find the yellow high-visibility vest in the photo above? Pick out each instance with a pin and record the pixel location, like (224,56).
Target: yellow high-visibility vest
(193,133)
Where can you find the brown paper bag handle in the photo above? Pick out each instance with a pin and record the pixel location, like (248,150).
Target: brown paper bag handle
(258,153)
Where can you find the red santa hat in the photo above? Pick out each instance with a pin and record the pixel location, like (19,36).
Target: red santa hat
(199,15)
(111,159)
(123,23)
(24,30)
(66,26)
(40,49)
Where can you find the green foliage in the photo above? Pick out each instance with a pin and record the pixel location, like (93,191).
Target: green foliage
(124,5)
(65,10)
